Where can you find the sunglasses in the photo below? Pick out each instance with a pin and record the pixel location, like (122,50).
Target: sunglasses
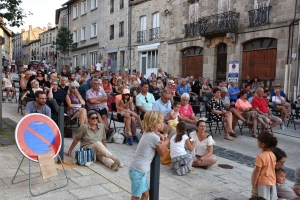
(92,118)
(126,94)
(146,99)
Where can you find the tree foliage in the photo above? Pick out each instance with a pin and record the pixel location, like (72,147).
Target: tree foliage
(12,12)
(64,41)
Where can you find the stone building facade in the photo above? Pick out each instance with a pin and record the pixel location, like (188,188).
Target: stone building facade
(47,47)
(201,38)
(86,22)
(114,50)
(17,48)
(7,45)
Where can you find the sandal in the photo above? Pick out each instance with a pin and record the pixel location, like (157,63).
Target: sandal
(233,134)
(228,138)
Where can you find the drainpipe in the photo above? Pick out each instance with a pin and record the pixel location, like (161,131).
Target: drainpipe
(129,34)
(297,82)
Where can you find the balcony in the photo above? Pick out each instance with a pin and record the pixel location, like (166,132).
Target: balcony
(141,36)
(259,17)
(154,34)
(219,25)
(191,29)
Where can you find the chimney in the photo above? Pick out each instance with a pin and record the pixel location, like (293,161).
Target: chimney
(44,28)
(49,25)
(30,27)
(22,30)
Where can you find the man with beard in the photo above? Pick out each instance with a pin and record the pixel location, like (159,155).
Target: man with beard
(39,105)
(72,79)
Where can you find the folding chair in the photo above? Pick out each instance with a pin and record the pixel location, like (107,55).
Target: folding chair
(114,117)
(294,115)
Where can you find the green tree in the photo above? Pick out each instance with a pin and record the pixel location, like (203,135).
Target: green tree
(12,12)
(64,41)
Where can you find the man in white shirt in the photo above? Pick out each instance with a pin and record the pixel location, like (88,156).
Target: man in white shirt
(72,79)
(7,86)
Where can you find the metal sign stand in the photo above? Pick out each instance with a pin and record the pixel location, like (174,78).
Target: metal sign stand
(30,178)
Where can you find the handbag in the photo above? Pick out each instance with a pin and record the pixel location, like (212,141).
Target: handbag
(119,137)
(84,157)
(166,159)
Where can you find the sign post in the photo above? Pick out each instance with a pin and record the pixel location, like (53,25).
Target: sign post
(1,67)
(154,177)
(233,74)
(61,128)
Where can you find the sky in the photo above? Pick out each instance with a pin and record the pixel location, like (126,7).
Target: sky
(43,11)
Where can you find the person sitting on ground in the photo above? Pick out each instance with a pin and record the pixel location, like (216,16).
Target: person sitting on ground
(204,146)
(75,105)
(262,107)
(187,113)
(219,114)
(125,107)
(92,135)
(150,142)
(282,106)
(283,190)
(181,151)
(7,85)
(39,105)
(245,109)
(174,116)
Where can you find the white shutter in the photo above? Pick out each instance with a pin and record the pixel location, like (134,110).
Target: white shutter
(156,20)
(143,23)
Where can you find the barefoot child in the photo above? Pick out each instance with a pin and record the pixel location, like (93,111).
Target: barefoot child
(264,174)
(150,142)
(174,114)
(182,158)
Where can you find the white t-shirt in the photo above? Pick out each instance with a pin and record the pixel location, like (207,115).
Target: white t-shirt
(201,147)
(277,99)
(98,67)
(177,148)
(7,82)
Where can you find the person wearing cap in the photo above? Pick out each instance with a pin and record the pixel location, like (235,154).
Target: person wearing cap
(96,100)
(278,86)
(125,107)
(183,88)
(92,135)
(144,100)
(171,87)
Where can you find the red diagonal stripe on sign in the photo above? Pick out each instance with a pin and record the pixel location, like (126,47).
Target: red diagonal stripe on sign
(39,136)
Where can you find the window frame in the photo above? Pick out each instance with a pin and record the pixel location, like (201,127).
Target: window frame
(83,30)
(82,6)
(75,7)
(95,4)
(75,39)
(121,29)
(94,29)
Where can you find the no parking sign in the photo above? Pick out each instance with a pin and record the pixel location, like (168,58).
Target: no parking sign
(37,134)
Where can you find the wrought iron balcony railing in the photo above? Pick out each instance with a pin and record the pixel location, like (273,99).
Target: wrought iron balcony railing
(141,36)
(219,24)
(259,17)
(154,34)
(191,29)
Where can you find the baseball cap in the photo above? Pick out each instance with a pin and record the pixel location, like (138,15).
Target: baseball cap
(277,85)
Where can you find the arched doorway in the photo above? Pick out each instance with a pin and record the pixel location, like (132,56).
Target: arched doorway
(192,62)
(259,59)
(221,62)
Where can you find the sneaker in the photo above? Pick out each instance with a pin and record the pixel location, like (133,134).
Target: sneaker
(116,165)
(136,139)
(282,126)
(129,141)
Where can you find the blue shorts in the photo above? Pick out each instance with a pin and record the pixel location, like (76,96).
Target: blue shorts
(139,183)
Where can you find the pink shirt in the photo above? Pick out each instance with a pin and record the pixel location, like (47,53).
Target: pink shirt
(239,103)
(171,90)
(186,112)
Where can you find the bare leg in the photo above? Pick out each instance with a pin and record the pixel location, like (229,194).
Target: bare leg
(7,92)
(208,161)
(237,114)
(100,120)
(277,122)
(13,93)
(254,122)
(138,120)
(133,125)
(104,118)
(81,115)
(127,120)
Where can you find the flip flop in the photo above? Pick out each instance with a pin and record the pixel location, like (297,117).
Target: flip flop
(228,138)
(233,135)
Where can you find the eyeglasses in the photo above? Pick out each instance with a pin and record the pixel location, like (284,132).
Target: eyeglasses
(74,87)
(93,118)
(281,162)
(146,99)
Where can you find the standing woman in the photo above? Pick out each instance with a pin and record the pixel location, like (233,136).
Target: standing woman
(41,78)
(219,114)
(204,146)
(75,103)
